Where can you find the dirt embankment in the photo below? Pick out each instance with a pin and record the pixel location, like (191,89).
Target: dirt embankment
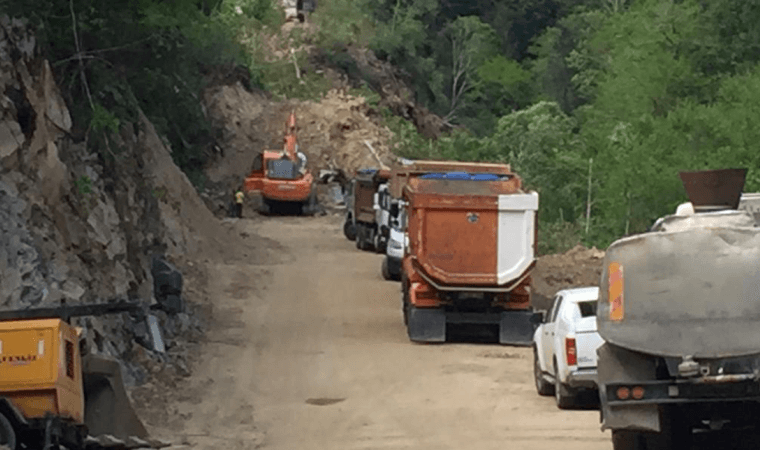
(577,267)
(335,132)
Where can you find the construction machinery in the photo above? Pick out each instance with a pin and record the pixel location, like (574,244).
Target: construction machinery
(392,221)
(50,394)
(281,178)
(472,241)
(367,191)
(679,310)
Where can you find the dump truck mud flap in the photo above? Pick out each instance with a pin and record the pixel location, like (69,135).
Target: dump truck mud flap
(107,407)
(426,324)
(516,328)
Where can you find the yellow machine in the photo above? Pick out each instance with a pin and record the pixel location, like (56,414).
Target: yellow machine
(40,369)
(49,394)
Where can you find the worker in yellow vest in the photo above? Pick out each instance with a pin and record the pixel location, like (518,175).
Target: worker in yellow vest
(239,197)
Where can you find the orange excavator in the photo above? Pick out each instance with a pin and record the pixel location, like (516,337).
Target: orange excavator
(282,178)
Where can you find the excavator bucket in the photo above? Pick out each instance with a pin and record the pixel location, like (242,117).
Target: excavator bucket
(107,407)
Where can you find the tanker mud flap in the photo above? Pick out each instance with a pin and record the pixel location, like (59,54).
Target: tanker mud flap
(426,324)
(107,407)
(516,328)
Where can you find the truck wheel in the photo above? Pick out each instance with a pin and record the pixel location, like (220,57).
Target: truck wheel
(628,440)
(360,238)
(385,270)
(542,386)
(405,299)
(7,434)
(676,431)
(265,208)
(349,230)
(563,394)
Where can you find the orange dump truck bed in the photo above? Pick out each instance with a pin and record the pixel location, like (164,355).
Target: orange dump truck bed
(471,252)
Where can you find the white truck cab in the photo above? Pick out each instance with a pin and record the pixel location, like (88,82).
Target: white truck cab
(397,242)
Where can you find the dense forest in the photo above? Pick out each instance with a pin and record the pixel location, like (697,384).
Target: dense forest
(598,104)
(595,103)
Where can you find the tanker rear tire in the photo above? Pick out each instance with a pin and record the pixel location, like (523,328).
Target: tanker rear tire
(7,434)
(628,440)
(676,433)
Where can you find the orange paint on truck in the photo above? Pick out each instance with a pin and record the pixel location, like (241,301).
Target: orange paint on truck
(261,181)
(453,235)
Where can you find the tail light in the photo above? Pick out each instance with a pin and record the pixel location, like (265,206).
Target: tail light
(571,353)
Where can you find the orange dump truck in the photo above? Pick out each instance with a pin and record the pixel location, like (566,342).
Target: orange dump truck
(472,240)
(281,178)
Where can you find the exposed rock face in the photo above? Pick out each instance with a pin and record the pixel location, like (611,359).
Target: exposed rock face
(79,226)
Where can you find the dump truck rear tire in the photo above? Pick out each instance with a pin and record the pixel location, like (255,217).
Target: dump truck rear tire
(405,298)
(542,386)
(7,434)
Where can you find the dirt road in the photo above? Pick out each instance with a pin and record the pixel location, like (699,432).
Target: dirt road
(311,353)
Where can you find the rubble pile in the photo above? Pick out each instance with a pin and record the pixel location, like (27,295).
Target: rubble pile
(577,267)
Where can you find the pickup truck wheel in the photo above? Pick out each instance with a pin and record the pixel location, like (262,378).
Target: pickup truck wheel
(563,394)
(542,386)
(7,434)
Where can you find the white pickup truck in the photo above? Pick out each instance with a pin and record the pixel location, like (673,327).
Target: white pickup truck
(564,346)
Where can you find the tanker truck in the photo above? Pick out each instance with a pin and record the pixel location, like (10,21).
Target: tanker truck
(679,310)
(472,241)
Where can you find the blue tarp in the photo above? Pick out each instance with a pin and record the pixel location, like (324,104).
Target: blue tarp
(461,176)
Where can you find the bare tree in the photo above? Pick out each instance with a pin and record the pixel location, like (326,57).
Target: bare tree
(471,42)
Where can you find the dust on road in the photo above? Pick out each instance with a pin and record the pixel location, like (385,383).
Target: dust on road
(310,352)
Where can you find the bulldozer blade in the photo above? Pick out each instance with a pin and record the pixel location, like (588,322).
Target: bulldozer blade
(516,328)
(426,325)
(107,409)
